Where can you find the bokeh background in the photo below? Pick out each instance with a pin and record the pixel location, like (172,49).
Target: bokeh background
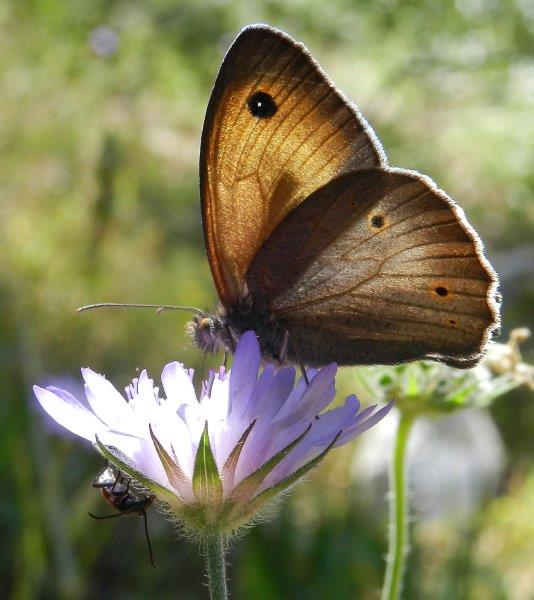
(101,105)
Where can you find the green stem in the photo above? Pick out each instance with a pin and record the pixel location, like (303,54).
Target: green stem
(398,525)
(216,567)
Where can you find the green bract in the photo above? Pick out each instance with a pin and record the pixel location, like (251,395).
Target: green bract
(427,387)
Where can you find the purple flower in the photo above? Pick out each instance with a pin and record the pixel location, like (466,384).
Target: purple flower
(215,461)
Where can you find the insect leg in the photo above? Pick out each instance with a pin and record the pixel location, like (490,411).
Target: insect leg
(232,338)
(115,482)
(199,382)
(104,516)
(150,553)
(282,355)
(301,364)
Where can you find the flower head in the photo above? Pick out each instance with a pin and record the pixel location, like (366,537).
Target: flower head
(431,388)
(216,460)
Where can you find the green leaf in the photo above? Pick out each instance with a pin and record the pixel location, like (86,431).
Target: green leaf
(250,484)
(460,396)
(207,484)
(120,461)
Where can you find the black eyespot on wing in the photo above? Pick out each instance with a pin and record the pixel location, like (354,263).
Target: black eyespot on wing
(498,297)
(261,105)
(441,291)
(496,332)
(377,221)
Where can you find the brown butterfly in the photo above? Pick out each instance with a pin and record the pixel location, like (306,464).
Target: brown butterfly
(314,242)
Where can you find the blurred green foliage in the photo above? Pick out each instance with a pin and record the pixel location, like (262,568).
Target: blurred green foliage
(102,105)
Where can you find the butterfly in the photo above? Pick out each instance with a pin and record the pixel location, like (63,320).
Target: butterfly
(314,242)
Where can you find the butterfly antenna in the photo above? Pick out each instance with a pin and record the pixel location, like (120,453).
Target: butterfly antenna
(159,307)
(150,553)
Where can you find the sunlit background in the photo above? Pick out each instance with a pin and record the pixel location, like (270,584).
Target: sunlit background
(101,109)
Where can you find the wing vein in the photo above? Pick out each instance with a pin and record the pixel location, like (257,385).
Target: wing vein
(259,125)
(311,110)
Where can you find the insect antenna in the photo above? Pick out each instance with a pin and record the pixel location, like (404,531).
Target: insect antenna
(160,308)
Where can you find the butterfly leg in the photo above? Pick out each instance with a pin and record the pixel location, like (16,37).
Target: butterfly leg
(198,380)
(203,369)
(282,355)
(231,339)
(301,364)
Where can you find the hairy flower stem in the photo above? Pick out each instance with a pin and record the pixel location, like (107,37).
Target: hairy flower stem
(398,525)
(214,546)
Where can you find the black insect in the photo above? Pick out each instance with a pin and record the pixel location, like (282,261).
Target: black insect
(115,488)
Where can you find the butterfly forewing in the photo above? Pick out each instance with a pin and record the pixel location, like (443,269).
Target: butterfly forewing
(276,130)
(378,266)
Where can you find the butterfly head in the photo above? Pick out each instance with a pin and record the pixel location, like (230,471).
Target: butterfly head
(210,333)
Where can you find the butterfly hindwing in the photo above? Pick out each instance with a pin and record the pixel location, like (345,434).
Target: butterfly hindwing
(378,266)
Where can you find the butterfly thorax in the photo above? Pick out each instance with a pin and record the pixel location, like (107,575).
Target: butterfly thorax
(271,332)
(221,331)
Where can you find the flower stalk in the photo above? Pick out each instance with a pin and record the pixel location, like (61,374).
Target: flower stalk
(214,548)
(398,510)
